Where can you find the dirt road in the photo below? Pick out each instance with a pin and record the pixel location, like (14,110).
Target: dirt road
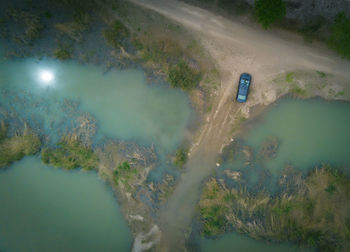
(236,48)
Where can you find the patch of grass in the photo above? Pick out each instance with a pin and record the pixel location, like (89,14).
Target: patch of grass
(115,34)
(298,91)
(70,154)
(308,216)
(16,147)
(269,11)
(290,77)
(331,189)
(340,36)
(321,74)
(340,93)
(62,52)
(213,221)
(183,76)
(181,157)
(124,172)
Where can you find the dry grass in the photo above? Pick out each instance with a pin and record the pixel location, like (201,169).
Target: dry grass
(16,147)
(316,214)
(71,154)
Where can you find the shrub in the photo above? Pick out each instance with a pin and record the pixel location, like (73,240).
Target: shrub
(269,11)
(184,77)
(115,34)
(340,35)
(70,154)
(181,157)
(124,173)
(125,166)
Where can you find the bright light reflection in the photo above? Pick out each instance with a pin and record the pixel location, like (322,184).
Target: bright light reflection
(46,77)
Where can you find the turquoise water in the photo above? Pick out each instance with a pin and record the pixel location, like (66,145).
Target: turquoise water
(125,106)
(43,209)
(309,132)
(241,243)
(47,209)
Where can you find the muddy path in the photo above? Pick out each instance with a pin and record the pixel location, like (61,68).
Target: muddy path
(236,47)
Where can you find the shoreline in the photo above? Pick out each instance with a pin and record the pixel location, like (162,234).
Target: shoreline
(203,131)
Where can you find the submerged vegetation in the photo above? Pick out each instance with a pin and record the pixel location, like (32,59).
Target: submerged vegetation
(16,147)
(314,214)
(70,154)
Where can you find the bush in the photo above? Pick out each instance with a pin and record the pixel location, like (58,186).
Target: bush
(125,166)
(69,155)
(269,11)
(124,173)
(340,35)
(115,34)
(184,77)
(181,157)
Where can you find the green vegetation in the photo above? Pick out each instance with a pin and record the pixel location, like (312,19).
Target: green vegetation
(124,173)
(310,30)
(237,7)
(29,22)
(340,36)
(316,213)
(62,52)
(321,74)
(159,52)
(16,147)
(70,154)
(184,77)
(75,28)
(115,34)
(269,11)
(181,157)
(290,77)
(298,91)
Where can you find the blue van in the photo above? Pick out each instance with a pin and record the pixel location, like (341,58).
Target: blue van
(243,87)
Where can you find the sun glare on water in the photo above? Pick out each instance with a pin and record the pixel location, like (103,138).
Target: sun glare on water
(46,77)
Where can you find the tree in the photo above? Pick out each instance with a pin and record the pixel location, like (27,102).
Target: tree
(340,35)
(269,11)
